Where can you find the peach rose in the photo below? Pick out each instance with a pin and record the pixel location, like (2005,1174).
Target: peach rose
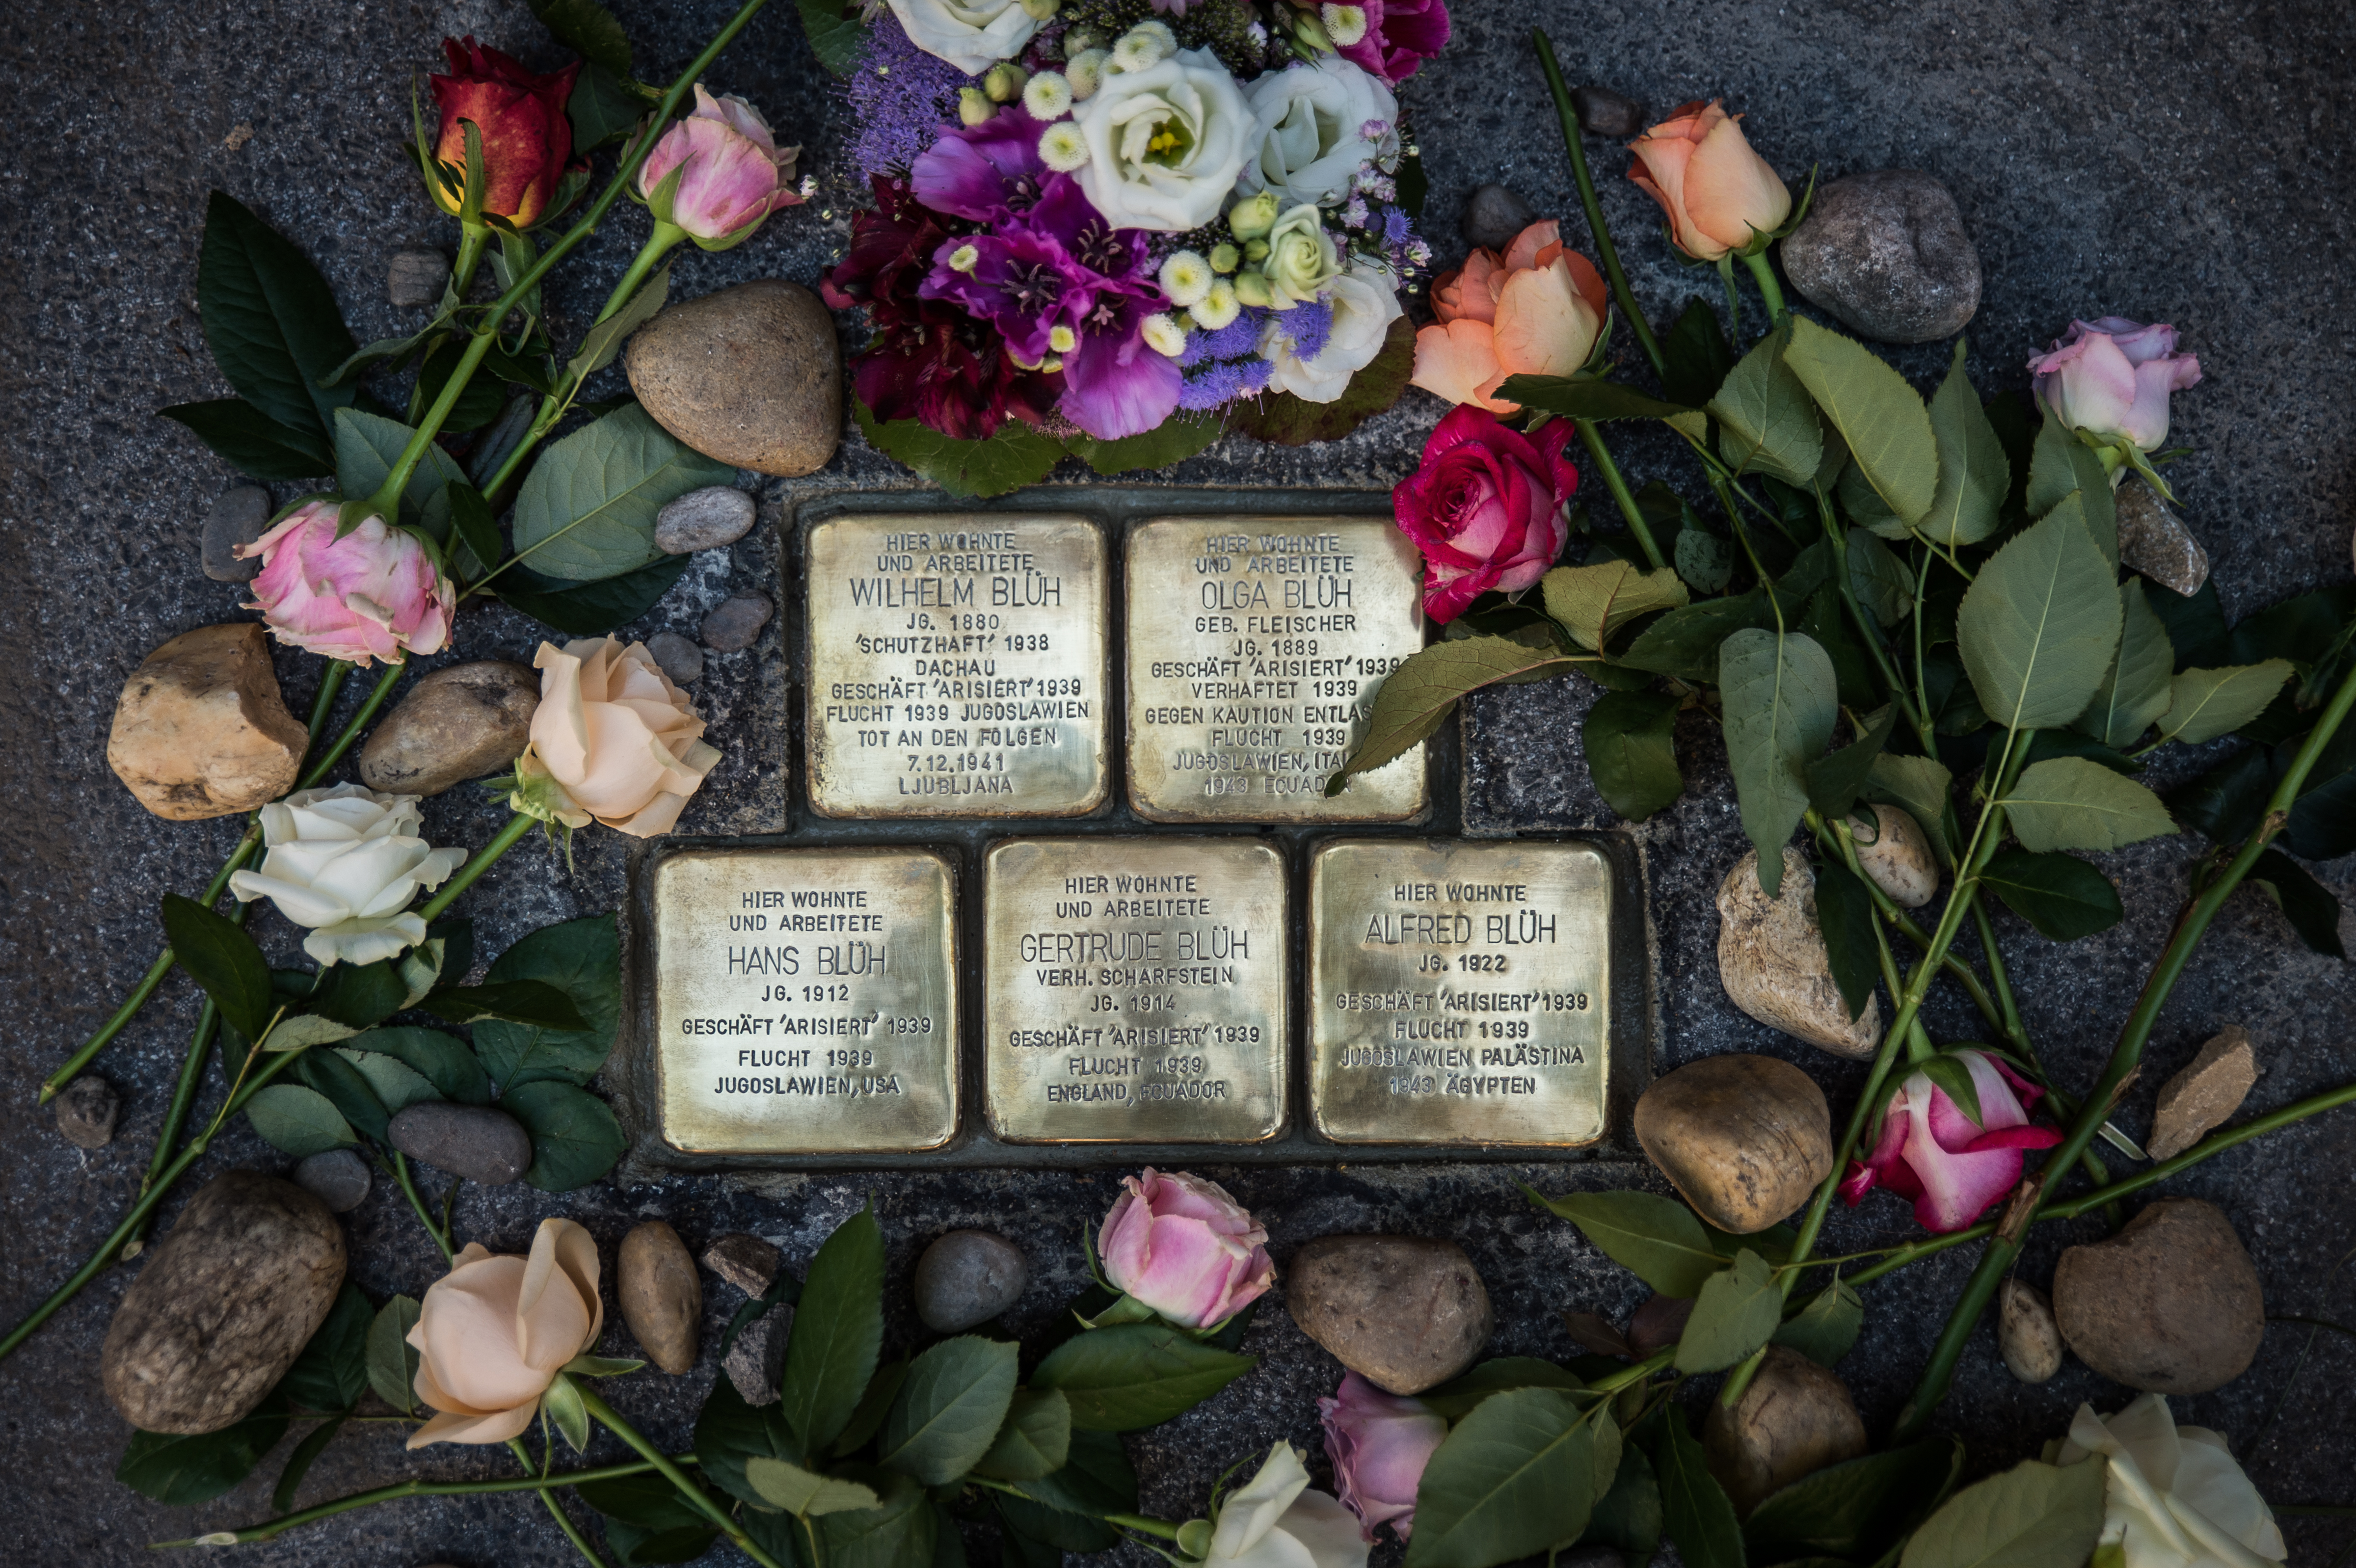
(1719,195)
(1534,311)
(615,738)
(492,1334)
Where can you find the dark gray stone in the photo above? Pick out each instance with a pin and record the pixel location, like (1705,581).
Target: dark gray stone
(708,518)
(86,1112)
(415,277)
(337,1177)
(1886,253)
(679,659)
(736,624)
(477,1142)
(1603,113)
(745,1262)
(236,518)
(1494,214)
(968,1277)
(757,1360)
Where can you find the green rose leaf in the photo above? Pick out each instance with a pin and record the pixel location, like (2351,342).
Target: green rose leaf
(1066,1507)
(2062,896)
(1844,913)
(300,1030)
(1855,1511)
(1697,356)
(1585,397)
(1628,1516)
(2039,624)
(391,1360)
(805,1493)
(588,609)
(398,1085)
(647,1521)
(2061,465)
(1136,1375)
(1881,417)
(1826,1328)
(2033,1516)
(950,1409)
(443,1060)
(586,512)
(1414,699)
(574,1137)
(902,1532)
(367,445)
(332,1371)
(1594,602)
(1629,739)
(270,321)
(1011,458)
(2069,803)
(1656,1239)
(246,438)
(835,33)
(838,1333)
(1834,782)
(1922,788)
(1693,1507)
(1881,583)
(2136,692)
(1284,420)
(1738,1311)
(2311,907)
(1974,476)
(588,29)
(298,1121)
(182,1470)
(1513,1478)
(221,957)
(1780,700)
(2203,704)
(1766,422)
(533,1003)
(1171,443)
(730,1435)
(1456,1399)
(1684,642)
(577,961)
(1034,1441)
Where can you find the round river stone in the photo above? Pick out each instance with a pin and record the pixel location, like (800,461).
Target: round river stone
(968,1277)
(750,375)
(1406,1313)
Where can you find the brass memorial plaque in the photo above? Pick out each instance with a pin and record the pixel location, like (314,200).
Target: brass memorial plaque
(957,667)
(1133,990)
(805,1000)
(1459,993)
(1255,644)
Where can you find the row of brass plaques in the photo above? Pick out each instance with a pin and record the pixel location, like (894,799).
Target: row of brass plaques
(1132,991)
(959,666)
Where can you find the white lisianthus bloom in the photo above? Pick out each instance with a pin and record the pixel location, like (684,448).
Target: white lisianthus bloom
(1365,303)
(2174,1498)
(346,862)
(971,35)
(1164,143)
(1275,1521)
(1310,123)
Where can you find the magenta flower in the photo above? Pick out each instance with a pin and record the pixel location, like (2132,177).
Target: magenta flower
(2112,377)
(987,172)
(730,173)
(1182,1246)
(1400,34)
(1930,1151)
(1379,1444)
(373,593)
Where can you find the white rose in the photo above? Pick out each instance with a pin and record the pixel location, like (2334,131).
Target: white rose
(1164,143)
(1364,304)
(1309,130)
(1277,1522)
(347,861)
(971,35)
(2174,1498)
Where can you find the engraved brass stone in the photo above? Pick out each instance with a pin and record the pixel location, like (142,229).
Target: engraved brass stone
(1255,644)
(1459,993)
(805,1000)
(1134,990)
(957,666)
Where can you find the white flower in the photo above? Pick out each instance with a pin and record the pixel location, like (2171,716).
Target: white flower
(1364,303)
(2174,1498)
(971,35)
(1345,25)
(1164,143)
(1216,308)
(1086,71)
(1186,279)
(1047,95)
(1138,49)
(1310,124)
(347,861)
(1062,148)
(1163,336)
(1277,1522)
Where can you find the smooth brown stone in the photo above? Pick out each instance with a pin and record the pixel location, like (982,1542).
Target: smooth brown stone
(1406,1313)
(745,1262)
(1794,1419)
(467,721)
(2170,1305)
(2026,1334)
(223,1306)
(2153,541)
(1772,963)
(1744,1139)
(750,375)
(200,730)
(2205,1096)
(1899,860)
(661,1299)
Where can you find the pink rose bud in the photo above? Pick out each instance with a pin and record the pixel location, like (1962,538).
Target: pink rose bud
(1182,1246)
(2112,377)
(1379,1444)
(1930,1151)
(731,173)
(373,593)
(1485,508)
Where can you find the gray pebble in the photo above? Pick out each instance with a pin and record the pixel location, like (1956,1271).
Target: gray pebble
(704,520)
(1886,253)
(86,1112)
(1603,113)
(1494,214)
(338,1177)
(681,659)
(745,1262)
(417,277)
(968,1277)
(476,1142)
(237,519)
(757,1360)
(2153,541)
(736,624)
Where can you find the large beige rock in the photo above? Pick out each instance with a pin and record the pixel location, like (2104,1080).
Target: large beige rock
(1893,853)
(2205,1094)
(661,1299)
(1744,1139)
(1406,1313)
(2170,1305)
(1794,1419)
(750,375)
(1772,960)
(467,721)
(200,730)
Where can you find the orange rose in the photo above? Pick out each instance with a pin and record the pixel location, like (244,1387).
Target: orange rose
(613,738)
(1535,311)
(492,1334)
(1719,195)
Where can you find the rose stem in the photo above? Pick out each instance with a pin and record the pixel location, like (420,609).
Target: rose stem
(1763,274)
(387,499)
(1996,1262)
(678,1478)
(517,825)
(399,1167)
(556,1509)
(1619,488)
(1144,1524)
(1605,249)
(283,1522)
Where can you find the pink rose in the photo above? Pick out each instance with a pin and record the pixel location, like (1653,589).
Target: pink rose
(731,173)
(373,593)
(2113,379)
(1379,1444)
(1534,311)
(611,740)
(1485,508)
(1396,36)
(1182,1246)
(1718,194)
(1930,1152)
(492,1334)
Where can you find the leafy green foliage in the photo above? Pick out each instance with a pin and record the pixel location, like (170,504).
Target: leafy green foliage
(602,342)
(1881,583)
(588,29)
(2323,822)
(574,1137)
(246,438)
(587,510)
(902,1533)
(1034,1441)
(835,33)
(2062,896)
(2069,803)
(950,1409)
(1827,1327)
(1855,1511)
(182,1470)
(1695,356)
(1414,699)
(1684,642)
(270,321)
(1974,474)
(2039,626)
(1585,397)
(648,1521)
(396,1084)
(1513,1477)
(442,1060)
(1456,1399)
(1136,1375)
(297,1121)
(1629,739)
(1012,456)
(1884,423)
(2031,1516)
(1922,788)
(589,609)
(369,444)
(2061,466)
(1592,603)
(806,1494)
(1694,1510)
(1834,782)
(579,961)
(1284,420)
(2136,691)
(2203,704)
(838,1333)
(391,1360)
(2311,907)
(1780,702)
(219,956)
(1738,1311)
(351,1095)
(1844,913)
(730,1433)
(331,1372)
(1765,422)
(1171,441)
(1656,1239)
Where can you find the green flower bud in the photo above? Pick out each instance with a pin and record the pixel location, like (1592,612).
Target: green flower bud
(1252,289)
(974,106)
(1195,1538)
(1253,217)
(1005,82)
(1257,252)
(1225,258)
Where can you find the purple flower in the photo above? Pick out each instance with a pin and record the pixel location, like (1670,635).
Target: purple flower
(1308,325)
(1115,385)
(987,172)
(1224,381)
(901,98)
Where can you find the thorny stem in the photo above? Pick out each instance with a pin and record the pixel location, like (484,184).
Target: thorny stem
(694,1494)
(1629,510)
(1604,250)
(1763,272)
(517,825)
(283,1522)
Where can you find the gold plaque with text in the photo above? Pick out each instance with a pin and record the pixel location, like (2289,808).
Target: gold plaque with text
(957,667)
(1255,646)
(1459,993)
(1133,990)
(805,1000)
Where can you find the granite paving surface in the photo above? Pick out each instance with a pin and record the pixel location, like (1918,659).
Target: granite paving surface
(2180,163)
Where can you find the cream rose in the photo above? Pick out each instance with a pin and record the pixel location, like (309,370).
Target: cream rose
(1164,143)
(2174,1498)
(1364,304)
(971,36)
(346,862)
(1274,1520)
(1301,258)
(615,738)
(1309,122)
(492,1334)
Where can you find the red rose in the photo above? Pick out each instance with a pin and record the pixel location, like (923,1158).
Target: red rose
(1485,509)
(527,139)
